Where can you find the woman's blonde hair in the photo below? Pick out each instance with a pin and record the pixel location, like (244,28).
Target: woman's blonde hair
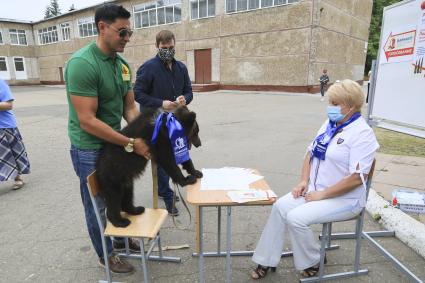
(347,92)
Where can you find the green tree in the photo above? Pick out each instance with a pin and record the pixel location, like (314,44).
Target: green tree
(52,9)
(375,30)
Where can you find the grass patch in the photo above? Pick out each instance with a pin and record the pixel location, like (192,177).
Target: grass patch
(399,144)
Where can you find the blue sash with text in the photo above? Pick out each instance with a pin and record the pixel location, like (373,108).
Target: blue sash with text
(176,135)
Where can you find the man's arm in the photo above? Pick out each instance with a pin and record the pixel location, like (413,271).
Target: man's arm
(187,90)
(143,89)
(130,107)
(86,108)
(6,105)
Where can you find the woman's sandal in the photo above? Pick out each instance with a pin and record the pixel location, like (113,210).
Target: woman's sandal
(18,184)
(312,271)
(261,271)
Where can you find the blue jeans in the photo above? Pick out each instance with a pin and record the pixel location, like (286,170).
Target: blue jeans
(164,189)
(84,162)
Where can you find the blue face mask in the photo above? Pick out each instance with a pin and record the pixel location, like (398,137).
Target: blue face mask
(334,113)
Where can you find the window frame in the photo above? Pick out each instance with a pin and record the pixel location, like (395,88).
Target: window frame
(23,63)
(138,14)
(67,26)
(260,6)
(17,32)
(46,33)
(88,21)
(7,65)
(199,18)
(2,38)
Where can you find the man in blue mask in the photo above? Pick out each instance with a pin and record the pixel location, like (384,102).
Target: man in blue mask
(163,82)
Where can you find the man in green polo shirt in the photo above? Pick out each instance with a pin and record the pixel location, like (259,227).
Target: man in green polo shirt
(98,86)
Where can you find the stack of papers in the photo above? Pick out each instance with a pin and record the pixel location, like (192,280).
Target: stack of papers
(250,195)
(228,179)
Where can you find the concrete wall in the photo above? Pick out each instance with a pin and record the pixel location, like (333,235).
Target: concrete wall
(285,46)
(26,51)
(340,33)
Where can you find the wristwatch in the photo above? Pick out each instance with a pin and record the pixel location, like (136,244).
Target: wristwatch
(130,146)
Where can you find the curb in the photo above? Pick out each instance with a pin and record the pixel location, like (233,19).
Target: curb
(408,230)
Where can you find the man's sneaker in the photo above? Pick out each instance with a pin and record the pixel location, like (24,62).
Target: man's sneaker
(132,245)
(172,211)
(117,265)
(177,198)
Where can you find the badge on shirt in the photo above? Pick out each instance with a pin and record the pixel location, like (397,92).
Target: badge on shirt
(125,73)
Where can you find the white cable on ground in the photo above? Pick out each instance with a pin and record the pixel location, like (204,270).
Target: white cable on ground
(407,229)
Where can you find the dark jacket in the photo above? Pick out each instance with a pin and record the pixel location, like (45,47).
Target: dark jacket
(155,82)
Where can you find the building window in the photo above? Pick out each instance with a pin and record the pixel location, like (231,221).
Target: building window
(234,6)
(66,31)
(48,35)
(19,64)
(18,37)
(202,9)
(87,27)
(157,13)
(3,65)
(1,38)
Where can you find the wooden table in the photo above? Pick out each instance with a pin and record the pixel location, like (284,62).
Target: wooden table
(219,198)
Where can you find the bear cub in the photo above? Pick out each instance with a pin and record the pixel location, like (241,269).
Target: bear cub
(116,168)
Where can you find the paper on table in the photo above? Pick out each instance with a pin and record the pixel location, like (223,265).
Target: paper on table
(250,195)
(228,179)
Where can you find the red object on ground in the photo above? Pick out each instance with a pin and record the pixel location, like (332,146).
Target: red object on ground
(394,201)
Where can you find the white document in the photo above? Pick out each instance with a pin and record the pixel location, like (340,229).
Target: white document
(228,179)
(409,197)
(250,195)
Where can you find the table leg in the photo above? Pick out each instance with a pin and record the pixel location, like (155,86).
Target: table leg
(197,209)
(219,230)
(201,246)
(229,245)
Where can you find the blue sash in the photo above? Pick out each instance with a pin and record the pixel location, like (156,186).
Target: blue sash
(321,142)
(176,135)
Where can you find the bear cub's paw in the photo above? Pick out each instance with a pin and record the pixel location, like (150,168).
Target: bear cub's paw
(197,174)
(135,210)
(190,179)
(124,222)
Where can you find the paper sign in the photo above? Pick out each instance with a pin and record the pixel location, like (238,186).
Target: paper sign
(399,47)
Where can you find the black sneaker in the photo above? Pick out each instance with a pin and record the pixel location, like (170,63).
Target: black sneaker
(172,211)
(177,198)
(117,265)
(132,245)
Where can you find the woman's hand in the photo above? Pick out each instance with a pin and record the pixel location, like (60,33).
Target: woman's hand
(299,189)
(314,196)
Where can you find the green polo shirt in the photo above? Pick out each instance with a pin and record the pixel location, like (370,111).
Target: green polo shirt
(89,72)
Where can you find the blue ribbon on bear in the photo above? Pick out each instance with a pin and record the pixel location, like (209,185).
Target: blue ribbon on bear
(176,135)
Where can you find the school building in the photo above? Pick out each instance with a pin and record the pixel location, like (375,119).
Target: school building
(226,44)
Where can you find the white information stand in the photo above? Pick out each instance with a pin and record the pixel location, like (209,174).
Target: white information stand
(397,94)
(397,100)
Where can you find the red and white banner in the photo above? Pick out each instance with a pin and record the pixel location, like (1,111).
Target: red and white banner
(400,45)
(419,54)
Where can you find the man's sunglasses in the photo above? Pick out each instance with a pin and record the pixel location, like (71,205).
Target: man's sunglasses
(122,32)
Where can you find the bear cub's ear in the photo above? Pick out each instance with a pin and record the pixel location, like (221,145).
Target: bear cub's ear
(186,117)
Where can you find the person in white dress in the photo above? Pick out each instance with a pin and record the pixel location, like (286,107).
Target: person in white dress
(331,188)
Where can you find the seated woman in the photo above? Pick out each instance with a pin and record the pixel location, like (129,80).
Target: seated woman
(331,188)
